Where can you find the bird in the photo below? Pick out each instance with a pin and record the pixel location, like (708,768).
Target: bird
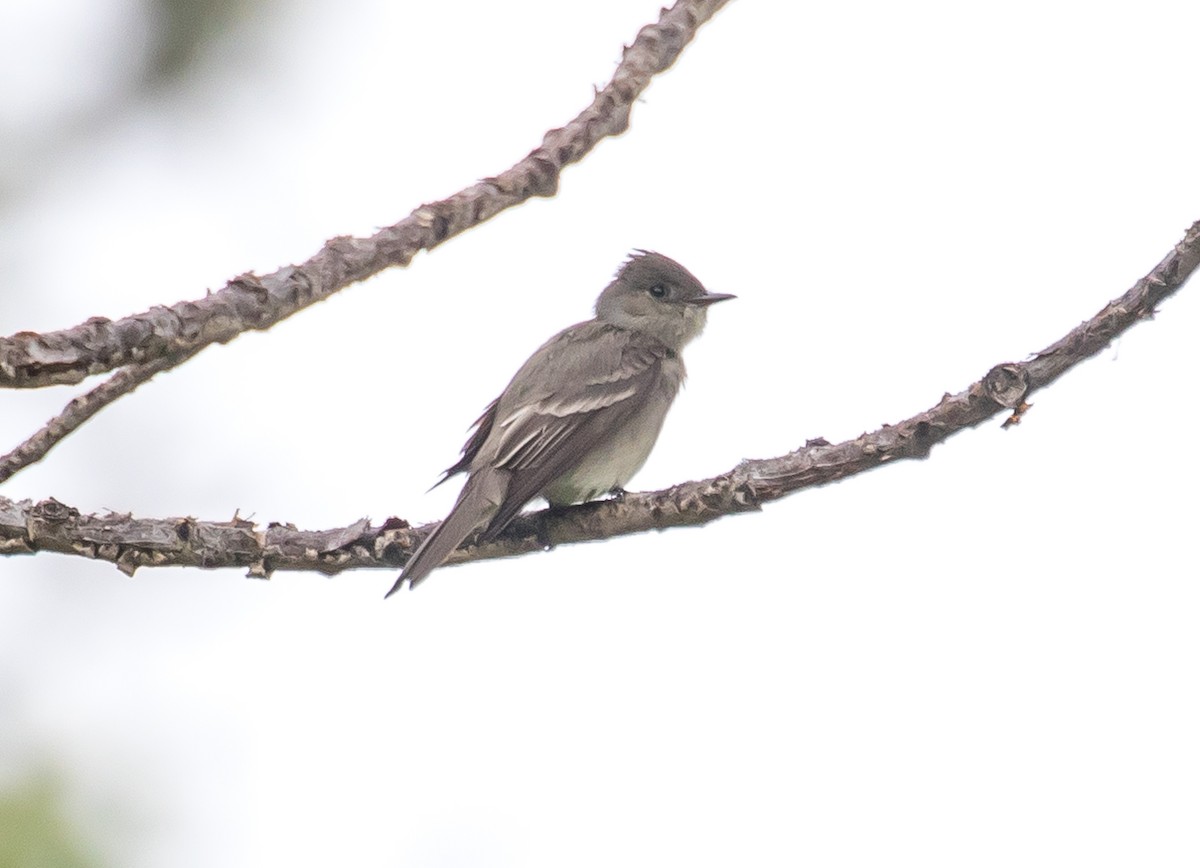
(581,416)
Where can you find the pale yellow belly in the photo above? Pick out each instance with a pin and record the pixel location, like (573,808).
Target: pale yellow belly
(612,463)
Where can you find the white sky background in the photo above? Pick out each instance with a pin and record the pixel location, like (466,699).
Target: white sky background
(987,658)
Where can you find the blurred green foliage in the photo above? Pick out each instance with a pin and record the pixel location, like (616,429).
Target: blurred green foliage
(184,28)
(34,829)
(180,33)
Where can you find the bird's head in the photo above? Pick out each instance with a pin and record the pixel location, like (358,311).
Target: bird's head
(659,297)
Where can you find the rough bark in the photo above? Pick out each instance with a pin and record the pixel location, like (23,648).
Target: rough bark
(26,527)
(252,302)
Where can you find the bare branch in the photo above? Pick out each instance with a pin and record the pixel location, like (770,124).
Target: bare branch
(29,360)
(131,543)
(82,408)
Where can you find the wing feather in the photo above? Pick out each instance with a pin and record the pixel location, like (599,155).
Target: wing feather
(578,389)
(547,438)
(482,429)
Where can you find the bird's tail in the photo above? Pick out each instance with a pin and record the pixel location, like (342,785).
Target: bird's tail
(478,502)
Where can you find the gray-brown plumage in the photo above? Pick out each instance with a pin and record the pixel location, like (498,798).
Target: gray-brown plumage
(581,415)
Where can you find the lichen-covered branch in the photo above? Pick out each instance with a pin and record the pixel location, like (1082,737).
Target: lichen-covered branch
(249,302)
(131,543)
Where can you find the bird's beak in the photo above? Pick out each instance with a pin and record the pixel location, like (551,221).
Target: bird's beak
(710,298)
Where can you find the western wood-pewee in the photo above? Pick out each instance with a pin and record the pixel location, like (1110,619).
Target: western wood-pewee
(581,416)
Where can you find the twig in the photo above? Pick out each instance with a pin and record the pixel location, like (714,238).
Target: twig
(29,360)
(132,543)
(82,408)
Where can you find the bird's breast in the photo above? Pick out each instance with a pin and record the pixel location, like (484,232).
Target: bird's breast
(612,463)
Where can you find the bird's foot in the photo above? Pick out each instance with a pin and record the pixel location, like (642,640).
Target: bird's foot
(543,526)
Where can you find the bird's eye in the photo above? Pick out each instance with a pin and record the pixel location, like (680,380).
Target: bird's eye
(658,290)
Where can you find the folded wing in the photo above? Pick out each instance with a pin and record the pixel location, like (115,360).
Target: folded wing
(594,379)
